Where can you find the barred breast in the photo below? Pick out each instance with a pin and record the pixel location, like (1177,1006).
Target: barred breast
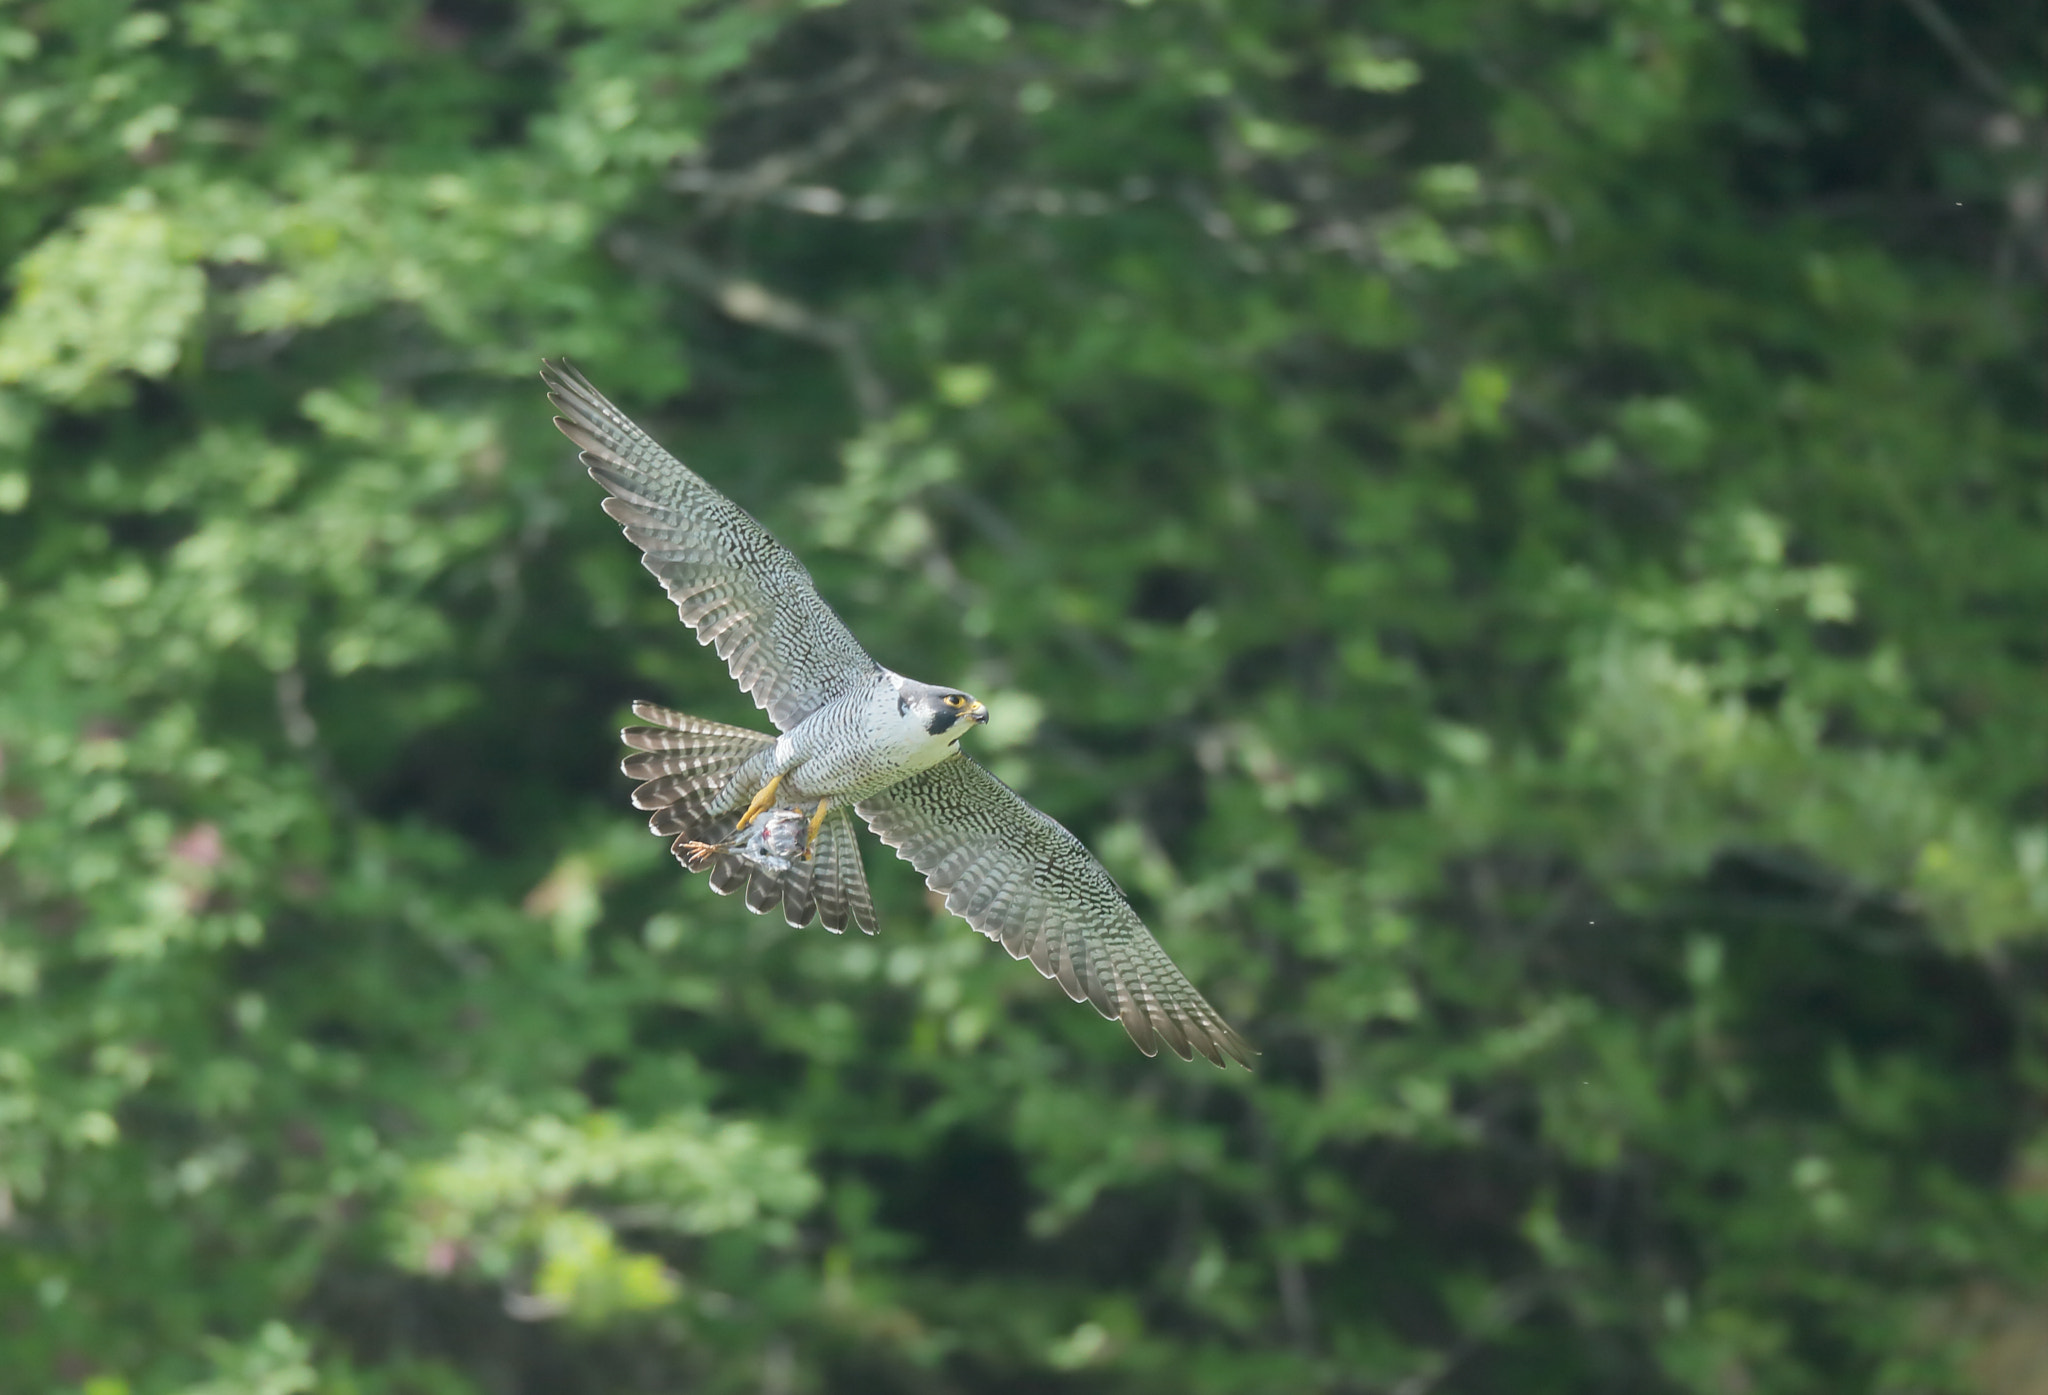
(860,745)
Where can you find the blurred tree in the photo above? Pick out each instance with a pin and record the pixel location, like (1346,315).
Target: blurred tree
(1515,529)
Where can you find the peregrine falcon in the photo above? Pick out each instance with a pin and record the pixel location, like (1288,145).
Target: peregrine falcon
(774,813)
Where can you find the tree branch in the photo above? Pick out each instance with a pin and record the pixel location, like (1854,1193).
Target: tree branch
(750,302)
(1945,33)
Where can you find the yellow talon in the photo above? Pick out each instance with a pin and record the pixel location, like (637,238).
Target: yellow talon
(761,801)
(817,822)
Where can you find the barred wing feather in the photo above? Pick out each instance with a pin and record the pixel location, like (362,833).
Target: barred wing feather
(732,583)
(1020,878)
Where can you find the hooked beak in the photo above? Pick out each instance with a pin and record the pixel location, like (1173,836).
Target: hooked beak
(979,713)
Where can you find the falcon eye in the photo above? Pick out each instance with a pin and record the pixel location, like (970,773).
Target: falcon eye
(955,700)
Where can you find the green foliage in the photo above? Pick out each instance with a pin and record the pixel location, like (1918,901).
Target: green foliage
(1516,531)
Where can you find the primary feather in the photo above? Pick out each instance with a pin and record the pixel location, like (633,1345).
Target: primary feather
(742,592)
(1019,877)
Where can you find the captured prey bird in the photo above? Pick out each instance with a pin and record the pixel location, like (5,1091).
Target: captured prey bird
(775,813)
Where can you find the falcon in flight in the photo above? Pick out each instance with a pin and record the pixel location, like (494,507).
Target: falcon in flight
(775,813)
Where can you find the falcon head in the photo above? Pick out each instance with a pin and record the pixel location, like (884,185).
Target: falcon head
(944,713)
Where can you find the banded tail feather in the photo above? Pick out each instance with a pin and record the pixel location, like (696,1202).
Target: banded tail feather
(842,886)
(686,766)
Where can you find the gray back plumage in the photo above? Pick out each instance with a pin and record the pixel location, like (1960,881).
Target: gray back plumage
(732,583)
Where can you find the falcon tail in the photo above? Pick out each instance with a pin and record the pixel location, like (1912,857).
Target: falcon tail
(687,765)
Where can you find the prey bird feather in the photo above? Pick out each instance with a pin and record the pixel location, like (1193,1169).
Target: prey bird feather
(773,814)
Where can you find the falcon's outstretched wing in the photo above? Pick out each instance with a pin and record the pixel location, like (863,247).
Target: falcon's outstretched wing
(1018,877)
(736,586)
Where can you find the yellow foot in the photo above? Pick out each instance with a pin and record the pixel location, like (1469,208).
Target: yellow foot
(817,822)
(761,801)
